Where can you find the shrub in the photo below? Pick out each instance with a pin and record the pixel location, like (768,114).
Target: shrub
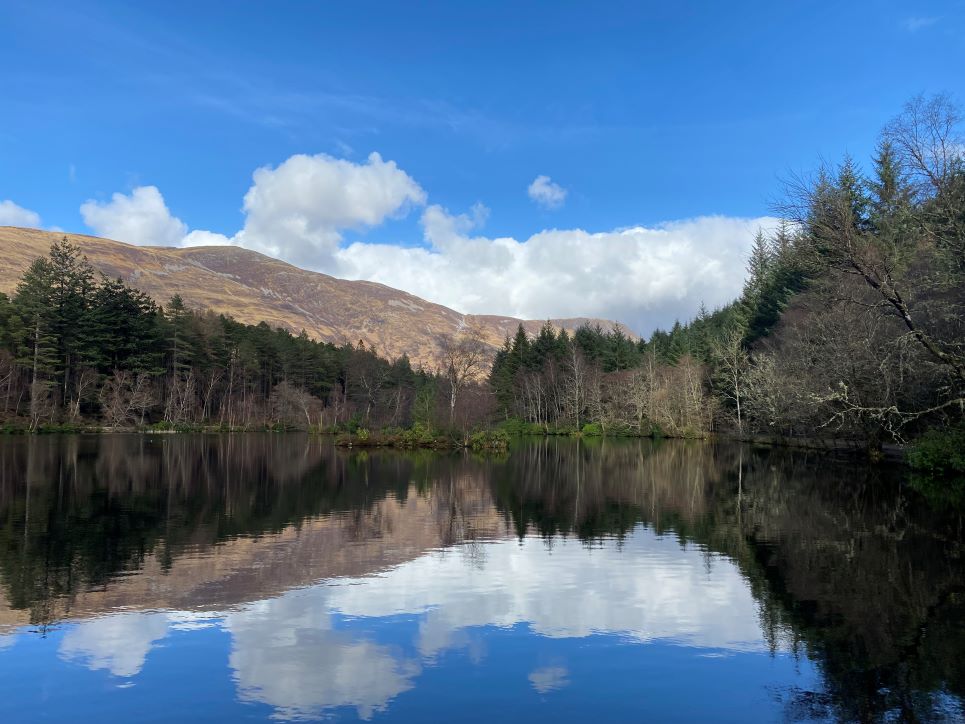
(940,453)
(514,426)
(489,440)
(938,466)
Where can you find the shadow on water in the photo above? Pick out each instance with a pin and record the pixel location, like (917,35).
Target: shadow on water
(845,564)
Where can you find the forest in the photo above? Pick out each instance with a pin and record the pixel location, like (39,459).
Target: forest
(850,327)
(76,349)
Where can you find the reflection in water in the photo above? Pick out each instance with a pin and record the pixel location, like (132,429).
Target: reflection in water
(285,653)
(645,589)
(549,678)
(349,582)
(119,643)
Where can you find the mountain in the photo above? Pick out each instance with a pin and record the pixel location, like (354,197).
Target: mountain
(253,288)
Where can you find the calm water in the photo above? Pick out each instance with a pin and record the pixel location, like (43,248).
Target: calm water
(272,577)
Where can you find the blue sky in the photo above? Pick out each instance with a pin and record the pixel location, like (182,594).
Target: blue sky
(641,113)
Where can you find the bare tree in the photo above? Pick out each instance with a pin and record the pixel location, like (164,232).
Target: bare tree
(86,384)
(927,140)
(730,370)
(42,404)
(463,358)
(115,398)
(179,407)
(576,371)
(290,403)
(143,395)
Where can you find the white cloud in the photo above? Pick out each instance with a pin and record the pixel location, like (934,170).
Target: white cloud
(199,237)
(298,210)
(140,218)
(643,277)
(640,276)
(547,194)
(13,215)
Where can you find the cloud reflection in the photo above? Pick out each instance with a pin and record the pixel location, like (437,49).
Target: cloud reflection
(647,588)
(119,643)
(287,652)
(549,678)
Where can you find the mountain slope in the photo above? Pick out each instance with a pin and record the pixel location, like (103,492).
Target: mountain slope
(253,288)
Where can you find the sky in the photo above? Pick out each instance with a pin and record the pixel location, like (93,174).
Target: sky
(529,159)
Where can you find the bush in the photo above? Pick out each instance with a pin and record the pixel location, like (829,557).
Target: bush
(419,435)
(489,440)
(938,465)
(164,426)
(515,427)
(940,453)
(593,429)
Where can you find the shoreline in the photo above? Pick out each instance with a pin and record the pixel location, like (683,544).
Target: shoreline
(487,437)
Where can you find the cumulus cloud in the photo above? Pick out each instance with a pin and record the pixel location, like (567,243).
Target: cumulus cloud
(643,277)
(298,210)
(141,217)
(547,194)
(13,215)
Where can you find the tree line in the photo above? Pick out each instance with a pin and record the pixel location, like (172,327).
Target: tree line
(851,323)
(77,348)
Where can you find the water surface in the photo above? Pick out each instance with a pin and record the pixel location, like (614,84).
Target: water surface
(273,577)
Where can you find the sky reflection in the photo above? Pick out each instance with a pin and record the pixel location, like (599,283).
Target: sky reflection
(335,644)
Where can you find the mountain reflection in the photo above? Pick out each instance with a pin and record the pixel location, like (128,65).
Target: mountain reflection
(305,556)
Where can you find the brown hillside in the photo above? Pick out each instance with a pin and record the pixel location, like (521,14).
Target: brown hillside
(252,288)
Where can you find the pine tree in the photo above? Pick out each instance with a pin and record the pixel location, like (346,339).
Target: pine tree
(891,197)
(179,347)
(38,346)
(851,186)
(758,267)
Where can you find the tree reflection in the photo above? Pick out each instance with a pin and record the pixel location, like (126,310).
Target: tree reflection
(845,564)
